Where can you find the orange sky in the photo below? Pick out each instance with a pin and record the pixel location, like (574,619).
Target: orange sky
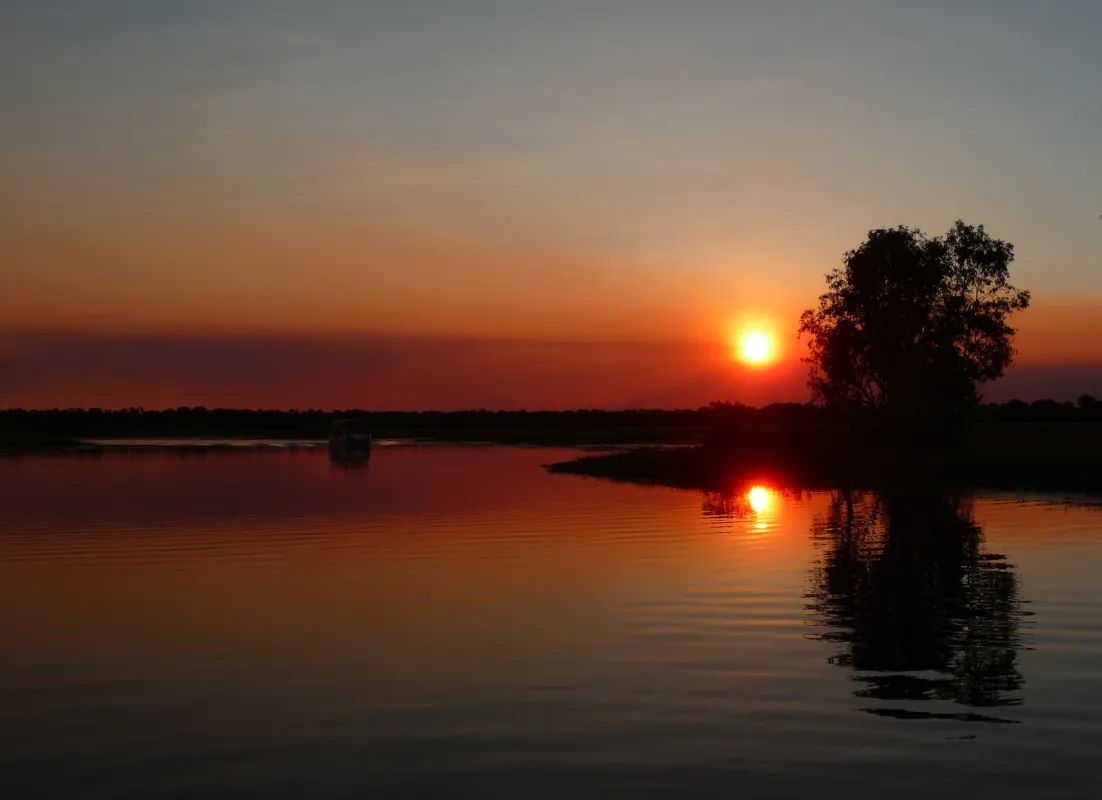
(142,275)
(323,315)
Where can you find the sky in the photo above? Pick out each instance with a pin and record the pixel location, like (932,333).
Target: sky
(500,204)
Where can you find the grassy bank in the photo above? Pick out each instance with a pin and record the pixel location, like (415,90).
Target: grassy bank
(1056,457)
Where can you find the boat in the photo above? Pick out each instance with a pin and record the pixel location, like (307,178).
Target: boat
(349,436)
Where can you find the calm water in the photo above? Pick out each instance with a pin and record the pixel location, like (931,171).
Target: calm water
(453,621)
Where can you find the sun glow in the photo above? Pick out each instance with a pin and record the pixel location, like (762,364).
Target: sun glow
(756,347)
(752,336)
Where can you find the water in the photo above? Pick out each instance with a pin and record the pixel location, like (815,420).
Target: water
(453,621)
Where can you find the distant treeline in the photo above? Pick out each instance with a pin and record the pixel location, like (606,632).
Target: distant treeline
(314,423)
(668,425)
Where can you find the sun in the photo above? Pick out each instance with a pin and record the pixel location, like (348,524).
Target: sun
(756,347)
(753,338)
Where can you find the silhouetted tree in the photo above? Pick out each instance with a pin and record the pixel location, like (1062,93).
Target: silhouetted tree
(910,326)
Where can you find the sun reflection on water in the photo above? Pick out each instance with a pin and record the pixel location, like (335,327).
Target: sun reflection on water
(756,506)
(761,501)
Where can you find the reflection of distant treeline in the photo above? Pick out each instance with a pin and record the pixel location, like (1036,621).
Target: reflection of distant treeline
(635,424)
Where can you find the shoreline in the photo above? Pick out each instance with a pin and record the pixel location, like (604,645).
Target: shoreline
(233,444)
(716,468)
(1010,457)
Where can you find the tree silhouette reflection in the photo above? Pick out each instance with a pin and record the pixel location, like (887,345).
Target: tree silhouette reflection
(906,592)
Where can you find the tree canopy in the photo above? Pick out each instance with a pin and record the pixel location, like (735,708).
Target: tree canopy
(911,326)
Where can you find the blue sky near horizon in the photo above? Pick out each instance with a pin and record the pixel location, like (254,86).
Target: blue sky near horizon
(611,170)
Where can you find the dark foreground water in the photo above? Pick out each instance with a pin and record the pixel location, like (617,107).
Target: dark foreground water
(455,622)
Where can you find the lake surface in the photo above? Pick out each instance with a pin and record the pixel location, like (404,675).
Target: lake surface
(447,621)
